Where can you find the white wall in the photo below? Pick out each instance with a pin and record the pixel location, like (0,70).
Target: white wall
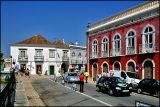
(31,64)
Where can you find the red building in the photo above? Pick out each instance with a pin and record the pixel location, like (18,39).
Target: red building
(128,41)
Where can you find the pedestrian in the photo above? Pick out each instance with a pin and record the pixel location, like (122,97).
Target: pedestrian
(81,78)
(27,73)
(15,69)
(86,75)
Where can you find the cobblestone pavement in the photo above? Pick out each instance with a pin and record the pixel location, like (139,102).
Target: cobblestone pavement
(32,95)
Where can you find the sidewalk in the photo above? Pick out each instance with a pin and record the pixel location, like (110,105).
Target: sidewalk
(20,96)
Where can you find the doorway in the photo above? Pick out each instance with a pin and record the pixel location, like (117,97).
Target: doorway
(38,69)
(51,70)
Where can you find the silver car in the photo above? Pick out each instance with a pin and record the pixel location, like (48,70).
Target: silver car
(71,77)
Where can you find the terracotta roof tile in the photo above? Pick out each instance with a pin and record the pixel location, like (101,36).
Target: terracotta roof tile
(37,39)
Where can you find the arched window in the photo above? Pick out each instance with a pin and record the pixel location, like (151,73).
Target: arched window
(117,66)
(148,35)
(130,40)
(95,49)
(105,47)
(79,56)
(116,45)
(148,39)
(73,54)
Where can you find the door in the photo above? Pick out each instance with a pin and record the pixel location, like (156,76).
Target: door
(39,69)
(51,70)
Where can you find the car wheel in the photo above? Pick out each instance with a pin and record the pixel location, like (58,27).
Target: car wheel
(139,91)
(110,91)
(98,89)
(158,93)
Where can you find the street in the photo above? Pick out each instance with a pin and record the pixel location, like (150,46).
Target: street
(55,94)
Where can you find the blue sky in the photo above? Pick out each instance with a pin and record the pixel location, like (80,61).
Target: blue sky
(54,20)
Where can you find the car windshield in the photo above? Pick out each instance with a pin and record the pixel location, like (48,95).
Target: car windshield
(132,75)
(72,74)
(117,80)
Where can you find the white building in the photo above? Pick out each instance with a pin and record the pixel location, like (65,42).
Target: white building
(78,57)
(41,56)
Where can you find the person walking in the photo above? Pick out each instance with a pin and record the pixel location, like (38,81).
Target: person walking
(81,78)
(15,69)
(86,75)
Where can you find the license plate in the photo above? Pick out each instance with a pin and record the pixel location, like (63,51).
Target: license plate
(125,91)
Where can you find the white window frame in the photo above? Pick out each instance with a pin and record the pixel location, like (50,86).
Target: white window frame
(131,39)
(146,44)
(95,48)
(104,46)
(51,53)
(116,50)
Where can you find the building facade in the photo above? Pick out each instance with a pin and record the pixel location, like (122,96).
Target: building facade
(128,41)
(78,57)
(41,56)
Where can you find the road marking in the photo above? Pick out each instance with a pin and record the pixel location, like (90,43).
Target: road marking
(107,104)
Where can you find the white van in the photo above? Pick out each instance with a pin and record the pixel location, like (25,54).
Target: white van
(130,78)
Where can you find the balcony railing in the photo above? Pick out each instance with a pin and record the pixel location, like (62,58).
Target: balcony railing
(39,58)
(104,54)
(80,61)
(65,58)
(130,50)
(147,48)
(22,58)
(115,52)
(73,61)
(94,55)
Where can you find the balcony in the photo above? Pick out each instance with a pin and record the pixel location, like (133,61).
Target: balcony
(73,61)
(94,55)
(22,58)
(130,50)
(115,52)
(38,58)
(65,58)
(147,48)
(79,61)
(104,54)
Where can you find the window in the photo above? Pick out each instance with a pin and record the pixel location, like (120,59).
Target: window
(116,43)
(65,53)
(22,52)
(95,49)
(104,47)
(148,37)
(79,56)
(39,52)
(73,54)
(52,53)
(130,40)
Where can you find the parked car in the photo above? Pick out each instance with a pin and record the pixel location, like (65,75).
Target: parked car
(130,78)
(151,86)
(71,77)
(113,85)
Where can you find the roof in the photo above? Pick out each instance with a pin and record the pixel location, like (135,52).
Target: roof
(126,14)
(40,40)
(37,39)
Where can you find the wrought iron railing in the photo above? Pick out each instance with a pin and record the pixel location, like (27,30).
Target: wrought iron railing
(104,54)
(22,58)
(130,50)
(7,93)
(39,58)
(94,55)
(115,52)
(147,48)
(65,58)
